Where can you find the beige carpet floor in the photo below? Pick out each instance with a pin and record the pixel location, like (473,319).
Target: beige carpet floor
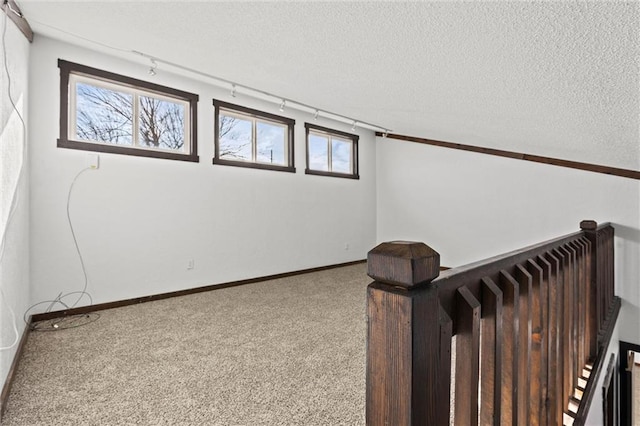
(284,352)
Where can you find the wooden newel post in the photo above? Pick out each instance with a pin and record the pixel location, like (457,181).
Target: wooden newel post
(402,335)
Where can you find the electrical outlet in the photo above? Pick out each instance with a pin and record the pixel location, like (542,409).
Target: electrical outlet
(190,264)
(346,246)
(93,161)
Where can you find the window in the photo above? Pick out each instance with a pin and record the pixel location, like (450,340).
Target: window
(106,112)
(331,153)
(248,138)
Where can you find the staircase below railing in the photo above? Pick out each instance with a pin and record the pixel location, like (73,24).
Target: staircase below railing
(516,339)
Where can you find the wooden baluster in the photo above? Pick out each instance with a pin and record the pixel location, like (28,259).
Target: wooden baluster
(444,376)
(564,329)
(538,384)
(570,319)
(581,288)
(610,268)
(591,334)
(602,235)
(545,291)
(549,265)
(510,350)
(608,271)
(467,358)
(556,392)
(602,274)
(525,280)
(602,291)
(591,338)
(491,350)
(604,270)
(585,278)
(600,281)
(578,361)
(403,335)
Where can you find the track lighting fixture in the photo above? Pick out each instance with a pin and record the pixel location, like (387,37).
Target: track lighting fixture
(257,93)
(152,68)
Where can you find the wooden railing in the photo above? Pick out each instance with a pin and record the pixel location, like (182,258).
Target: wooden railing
(505,341)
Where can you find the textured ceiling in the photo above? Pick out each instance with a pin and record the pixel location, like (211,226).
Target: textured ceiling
(559,79)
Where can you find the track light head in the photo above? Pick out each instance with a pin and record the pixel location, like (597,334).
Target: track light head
(152,68)
(282,104)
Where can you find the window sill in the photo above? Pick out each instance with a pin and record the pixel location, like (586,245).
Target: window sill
(115,149)
(331,174)
(250,165)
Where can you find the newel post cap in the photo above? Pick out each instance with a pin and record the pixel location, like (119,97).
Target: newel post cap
(588,225)
(403,263)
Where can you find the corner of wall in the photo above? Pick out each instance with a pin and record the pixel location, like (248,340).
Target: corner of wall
(15,197)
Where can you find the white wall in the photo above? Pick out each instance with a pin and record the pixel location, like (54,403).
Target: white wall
(14,265)
(470,206)
(139,220)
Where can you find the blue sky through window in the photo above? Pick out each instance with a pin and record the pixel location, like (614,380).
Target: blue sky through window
(330,154)
(271,143)
(340,155)
(235,143)
(103,115)
(106,115)
(318,152)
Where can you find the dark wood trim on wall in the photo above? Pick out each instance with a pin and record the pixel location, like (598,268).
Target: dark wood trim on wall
(596,168)
(15,14)
(251,165)
(6,389)
(134,301)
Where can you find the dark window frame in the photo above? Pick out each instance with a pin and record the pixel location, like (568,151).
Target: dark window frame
(67,68)
(343,135)
(285,121)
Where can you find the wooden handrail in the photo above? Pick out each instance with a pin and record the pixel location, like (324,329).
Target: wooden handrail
(515,332)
